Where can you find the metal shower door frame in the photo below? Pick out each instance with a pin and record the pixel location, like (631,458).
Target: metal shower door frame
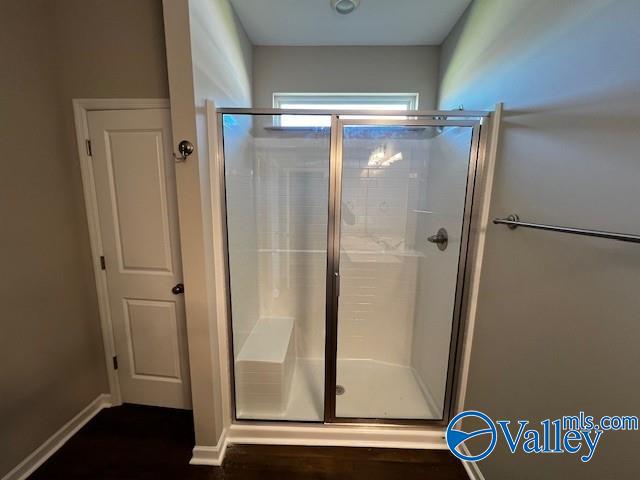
(430,118)
(333,265)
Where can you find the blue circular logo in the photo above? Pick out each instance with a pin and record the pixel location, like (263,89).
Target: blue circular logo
(456,438)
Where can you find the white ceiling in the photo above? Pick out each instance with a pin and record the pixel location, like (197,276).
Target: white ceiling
(374,22)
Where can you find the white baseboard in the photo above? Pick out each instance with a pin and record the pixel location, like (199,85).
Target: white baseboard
(58,439)
(207,455)
(337,436)
(472,468)
(321,435)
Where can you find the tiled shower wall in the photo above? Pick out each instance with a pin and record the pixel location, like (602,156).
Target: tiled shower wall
(292,185)
(378,263)
(377,290)
(241,227)
(280,222)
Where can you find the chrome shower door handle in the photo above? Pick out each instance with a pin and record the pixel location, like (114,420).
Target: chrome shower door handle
(441,239)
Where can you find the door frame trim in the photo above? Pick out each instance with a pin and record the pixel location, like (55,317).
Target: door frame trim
(81,108)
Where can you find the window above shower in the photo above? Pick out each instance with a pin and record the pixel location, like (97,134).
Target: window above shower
(339,101)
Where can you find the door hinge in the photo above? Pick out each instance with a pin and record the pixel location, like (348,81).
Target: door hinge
(115,362)
(103,263)
(88,145)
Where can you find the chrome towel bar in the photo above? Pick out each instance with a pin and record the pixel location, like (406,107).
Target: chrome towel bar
(513,221)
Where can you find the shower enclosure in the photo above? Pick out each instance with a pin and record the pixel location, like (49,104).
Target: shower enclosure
(346,244)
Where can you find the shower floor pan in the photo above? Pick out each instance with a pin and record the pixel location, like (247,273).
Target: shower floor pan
(372,389)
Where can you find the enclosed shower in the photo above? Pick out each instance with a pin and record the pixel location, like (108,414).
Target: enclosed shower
(346,249)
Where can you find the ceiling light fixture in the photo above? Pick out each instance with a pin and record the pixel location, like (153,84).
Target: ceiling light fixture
(344,6)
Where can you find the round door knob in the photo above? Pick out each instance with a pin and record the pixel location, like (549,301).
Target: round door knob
(178,289)
(186,148)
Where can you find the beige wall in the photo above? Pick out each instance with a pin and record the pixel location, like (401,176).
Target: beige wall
(345,69)
(557,329)
(53,363)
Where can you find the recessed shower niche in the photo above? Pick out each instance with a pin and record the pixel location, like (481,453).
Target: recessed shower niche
(346,246)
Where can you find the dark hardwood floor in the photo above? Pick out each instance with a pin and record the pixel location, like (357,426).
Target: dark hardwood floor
(136,442)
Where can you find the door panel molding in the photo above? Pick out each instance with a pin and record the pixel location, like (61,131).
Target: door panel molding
(81,108)
(137,363)
(127,256)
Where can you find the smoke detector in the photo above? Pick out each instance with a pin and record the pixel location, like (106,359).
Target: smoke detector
(344,7)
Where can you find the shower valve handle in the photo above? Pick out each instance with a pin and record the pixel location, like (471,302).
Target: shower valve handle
(441,239)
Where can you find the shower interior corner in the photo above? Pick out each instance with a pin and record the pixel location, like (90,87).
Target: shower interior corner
(392,359)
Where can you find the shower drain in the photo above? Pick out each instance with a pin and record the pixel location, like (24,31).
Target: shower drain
(339,389)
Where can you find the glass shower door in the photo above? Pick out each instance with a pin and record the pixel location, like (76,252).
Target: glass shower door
(276,191)
(403,195)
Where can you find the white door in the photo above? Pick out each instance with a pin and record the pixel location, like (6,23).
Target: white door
(136,192)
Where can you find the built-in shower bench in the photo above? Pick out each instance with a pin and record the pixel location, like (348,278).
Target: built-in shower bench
(264,367)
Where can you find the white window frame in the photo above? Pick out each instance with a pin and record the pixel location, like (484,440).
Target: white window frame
(409,99)
(367,100)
